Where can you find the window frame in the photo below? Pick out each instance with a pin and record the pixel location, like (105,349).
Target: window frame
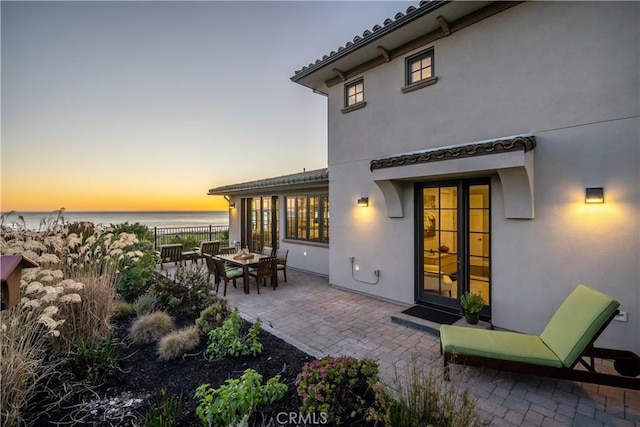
(314,226)
(410,85)
(358,104)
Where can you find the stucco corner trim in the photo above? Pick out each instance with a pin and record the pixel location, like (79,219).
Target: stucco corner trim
(393,199)
(518,190)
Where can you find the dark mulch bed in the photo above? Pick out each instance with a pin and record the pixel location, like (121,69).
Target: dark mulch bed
(129,392)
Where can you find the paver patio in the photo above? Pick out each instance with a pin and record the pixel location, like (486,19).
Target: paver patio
(323,320)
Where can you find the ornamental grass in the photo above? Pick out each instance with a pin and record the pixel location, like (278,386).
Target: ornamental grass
(66,300)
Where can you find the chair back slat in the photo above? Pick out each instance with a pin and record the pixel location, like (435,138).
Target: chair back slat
(219,268)
(228,251)
(169,253)
(211,264)
(266,266)
(211,247)
(281,255)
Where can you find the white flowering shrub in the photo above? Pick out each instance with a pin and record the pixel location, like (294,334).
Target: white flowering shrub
(24,339)
(67,299)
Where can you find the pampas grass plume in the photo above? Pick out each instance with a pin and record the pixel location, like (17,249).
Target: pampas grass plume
(177,343)
(151,327)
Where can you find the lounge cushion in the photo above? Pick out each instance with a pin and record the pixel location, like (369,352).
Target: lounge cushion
(576,322)
(497,345)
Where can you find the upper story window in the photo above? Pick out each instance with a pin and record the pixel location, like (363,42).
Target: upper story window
(354,96)
(420,71)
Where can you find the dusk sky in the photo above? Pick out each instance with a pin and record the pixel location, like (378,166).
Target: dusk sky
(147,105)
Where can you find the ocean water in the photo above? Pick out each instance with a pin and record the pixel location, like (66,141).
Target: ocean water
(165,219)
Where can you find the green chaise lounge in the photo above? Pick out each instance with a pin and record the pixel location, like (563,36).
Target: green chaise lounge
(566,341)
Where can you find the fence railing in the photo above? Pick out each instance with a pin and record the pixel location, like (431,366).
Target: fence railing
(190,237)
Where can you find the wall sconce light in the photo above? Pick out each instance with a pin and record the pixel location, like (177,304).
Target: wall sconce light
(363,202)
(594,195)
(232,205)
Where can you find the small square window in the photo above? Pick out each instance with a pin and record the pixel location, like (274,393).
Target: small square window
(420,71)
(420,67)
(354,93)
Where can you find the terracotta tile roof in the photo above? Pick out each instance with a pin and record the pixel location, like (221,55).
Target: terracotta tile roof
(376,32)
(301,179)
(519,142)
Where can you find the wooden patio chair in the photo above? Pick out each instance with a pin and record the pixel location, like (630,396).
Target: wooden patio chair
(211,247)
(281,256)
(228,251)
(266,270)
(170,253)
(267,250)
(222,273)
(565,345)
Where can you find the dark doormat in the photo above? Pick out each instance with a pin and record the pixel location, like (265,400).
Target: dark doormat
(432,315)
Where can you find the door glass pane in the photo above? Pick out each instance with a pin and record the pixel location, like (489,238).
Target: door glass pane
(291,217)
(302,218)
(276,213)
(255,225)
(325,218)
(479,238)
(266,222)
(440,241)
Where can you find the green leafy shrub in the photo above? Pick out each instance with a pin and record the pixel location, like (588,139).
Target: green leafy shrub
(136,275)
(165,413)
(141,231)
(471,302)
(151,327)
(177,343)
(144,304)
(423,398)
(233,403)
(82,229)
(213,316)
(233,339)
(188,241)
(95,359)
(122,309)
(339,386)
(187,291)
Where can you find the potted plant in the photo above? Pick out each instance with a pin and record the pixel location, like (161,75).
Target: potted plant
(471,305)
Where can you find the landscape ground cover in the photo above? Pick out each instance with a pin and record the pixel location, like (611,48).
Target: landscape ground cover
(141,376)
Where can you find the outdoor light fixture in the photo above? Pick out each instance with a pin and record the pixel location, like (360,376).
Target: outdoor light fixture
(232,205)
(363,202)
(594,195)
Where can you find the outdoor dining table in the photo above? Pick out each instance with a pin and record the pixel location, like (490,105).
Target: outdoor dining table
(245,264)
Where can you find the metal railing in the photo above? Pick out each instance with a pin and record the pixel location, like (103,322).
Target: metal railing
(190,237)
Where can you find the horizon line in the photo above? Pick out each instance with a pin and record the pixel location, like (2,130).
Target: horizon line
(102,211)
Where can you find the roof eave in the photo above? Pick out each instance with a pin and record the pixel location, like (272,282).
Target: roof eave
(348,50)
(306,180)
(420,27)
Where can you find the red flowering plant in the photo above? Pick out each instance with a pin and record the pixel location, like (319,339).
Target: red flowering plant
(340,388)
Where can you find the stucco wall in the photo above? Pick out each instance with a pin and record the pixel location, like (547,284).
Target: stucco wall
(566,72)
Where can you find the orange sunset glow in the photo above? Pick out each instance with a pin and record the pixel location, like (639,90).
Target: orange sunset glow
(139,106)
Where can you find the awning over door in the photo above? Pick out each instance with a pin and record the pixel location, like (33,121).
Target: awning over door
(511,157)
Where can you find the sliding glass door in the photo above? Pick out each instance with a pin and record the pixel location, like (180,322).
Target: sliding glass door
(260,223)
(453,242)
